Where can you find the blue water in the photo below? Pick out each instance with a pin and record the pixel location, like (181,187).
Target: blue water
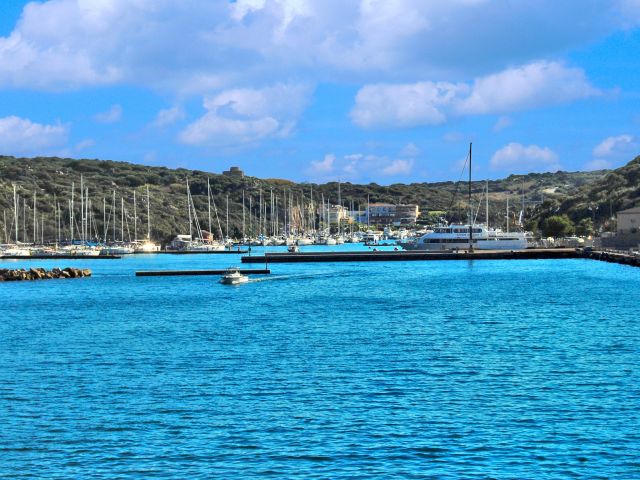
(450,369)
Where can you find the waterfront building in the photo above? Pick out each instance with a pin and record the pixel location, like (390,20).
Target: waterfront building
(627,232)
(390,214)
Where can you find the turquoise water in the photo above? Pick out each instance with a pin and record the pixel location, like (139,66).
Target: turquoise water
(451,369)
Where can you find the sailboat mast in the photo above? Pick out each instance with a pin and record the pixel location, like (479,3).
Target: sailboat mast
(507,213)
(15,210)
(122,218)
(487,204)
(71,210)
(148,214)
(470,206)
(189,208)
(209,203)
(244,236)
(135,218)
(35,219)
(104,218)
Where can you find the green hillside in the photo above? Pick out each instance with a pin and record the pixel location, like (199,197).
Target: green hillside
(52,178)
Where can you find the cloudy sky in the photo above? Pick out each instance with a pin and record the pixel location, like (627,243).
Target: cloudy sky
(357,90)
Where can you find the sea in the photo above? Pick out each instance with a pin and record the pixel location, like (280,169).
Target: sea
(507,369)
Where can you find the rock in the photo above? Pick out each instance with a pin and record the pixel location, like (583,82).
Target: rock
(35,274)
(7,275)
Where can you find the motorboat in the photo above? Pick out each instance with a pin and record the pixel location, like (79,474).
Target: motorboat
(233,277)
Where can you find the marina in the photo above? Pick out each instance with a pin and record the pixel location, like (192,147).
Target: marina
(342,240)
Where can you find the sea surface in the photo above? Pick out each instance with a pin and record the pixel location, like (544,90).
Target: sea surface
(446,370)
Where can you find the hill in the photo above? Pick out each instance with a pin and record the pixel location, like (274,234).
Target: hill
(51,179)
(601,198)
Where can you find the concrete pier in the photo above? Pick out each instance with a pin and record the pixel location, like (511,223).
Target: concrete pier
(60,257)
(188,252)
(174,273)
(385,256)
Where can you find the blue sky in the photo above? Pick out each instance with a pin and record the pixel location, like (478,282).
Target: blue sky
(315,90)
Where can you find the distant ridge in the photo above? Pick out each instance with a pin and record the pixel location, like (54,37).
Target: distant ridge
(567,192)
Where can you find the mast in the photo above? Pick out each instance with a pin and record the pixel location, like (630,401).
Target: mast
(487,205)
(71,210)
(189,208)
(15,209)
(113,210)
(104,218)
(243,232)
(35,219)
(227,218)
(24,219)
(339,210)
(507,213)
(148,214)
(122,218)
(209,204)
(135,218)
(82,209)
(470,206)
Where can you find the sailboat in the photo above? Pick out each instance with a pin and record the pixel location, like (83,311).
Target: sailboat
(147,246)
(470,236)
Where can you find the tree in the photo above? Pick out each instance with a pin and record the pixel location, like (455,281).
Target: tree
(585,227)
(557,226)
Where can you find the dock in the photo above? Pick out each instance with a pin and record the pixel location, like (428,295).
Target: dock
(60,257)
(188,252)
(386,256)
(176,273)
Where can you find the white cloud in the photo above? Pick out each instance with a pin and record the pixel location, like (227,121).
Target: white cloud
(410,150)
(84,144)
(323,166)
(247,115)
(428,103)
(453,137)
(616,147)
(398,167)
(22,136)
(530,86)
(168,116)
(196,46)
(361,166)
(516,158)
(598,164)
(422,103)
(502,123)
(113,115)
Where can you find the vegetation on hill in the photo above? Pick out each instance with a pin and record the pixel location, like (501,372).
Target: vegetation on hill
(51,179)
(598,200)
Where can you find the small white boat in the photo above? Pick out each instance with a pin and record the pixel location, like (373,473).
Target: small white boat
(293,249)
(233,277)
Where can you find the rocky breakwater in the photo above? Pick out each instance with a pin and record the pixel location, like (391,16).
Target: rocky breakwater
(8,275)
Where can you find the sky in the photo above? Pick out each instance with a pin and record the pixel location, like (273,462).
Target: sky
(383,91)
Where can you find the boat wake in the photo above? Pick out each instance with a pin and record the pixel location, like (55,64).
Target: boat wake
(289,277)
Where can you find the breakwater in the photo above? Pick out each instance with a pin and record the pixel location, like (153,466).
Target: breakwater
(175,273)
(384,256)
(613,257)
(8,275)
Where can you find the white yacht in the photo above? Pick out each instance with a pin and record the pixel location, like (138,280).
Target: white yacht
(456,237)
